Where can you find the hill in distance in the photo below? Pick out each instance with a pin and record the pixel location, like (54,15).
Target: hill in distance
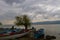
(47,22)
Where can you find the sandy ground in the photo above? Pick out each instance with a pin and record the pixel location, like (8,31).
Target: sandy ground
(27,37)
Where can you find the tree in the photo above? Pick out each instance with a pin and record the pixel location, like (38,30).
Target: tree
(23,20)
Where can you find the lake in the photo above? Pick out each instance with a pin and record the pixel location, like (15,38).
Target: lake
(50,29)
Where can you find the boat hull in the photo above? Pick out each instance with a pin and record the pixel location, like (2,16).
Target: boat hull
(14,36)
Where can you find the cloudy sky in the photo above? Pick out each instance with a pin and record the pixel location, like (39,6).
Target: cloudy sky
(37,10)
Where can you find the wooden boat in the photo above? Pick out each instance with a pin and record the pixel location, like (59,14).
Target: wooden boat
(14,35)
(9,32)
(39,33)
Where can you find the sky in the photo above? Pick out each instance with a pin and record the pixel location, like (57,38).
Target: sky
(37,10)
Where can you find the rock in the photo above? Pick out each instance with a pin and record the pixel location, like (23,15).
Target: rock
(50,37)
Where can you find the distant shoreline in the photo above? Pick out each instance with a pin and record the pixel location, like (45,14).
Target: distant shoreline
(45,24)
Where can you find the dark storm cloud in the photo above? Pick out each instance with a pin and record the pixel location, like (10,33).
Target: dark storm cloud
(10,15)
(12,1)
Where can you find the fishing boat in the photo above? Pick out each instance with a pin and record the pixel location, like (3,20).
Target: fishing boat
(13,34)
(39,33)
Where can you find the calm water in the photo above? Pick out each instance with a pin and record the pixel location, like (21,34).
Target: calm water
(51,29)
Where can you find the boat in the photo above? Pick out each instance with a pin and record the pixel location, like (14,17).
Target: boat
(14,34)
(7,32)
(39,33)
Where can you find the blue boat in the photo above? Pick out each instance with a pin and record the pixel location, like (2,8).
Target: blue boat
(39,33)
(8,31)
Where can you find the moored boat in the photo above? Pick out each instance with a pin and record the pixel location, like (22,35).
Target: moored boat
(14,34)
(39,33)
